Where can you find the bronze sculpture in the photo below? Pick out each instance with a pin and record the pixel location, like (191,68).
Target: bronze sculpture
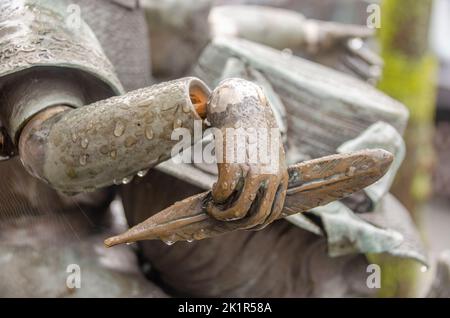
(92,146)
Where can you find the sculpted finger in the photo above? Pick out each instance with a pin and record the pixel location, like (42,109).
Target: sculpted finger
(227,182)
(262,208)
(278,202)
(241,206)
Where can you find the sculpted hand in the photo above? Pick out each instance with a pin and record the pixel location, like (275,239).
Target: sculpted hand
(252,173)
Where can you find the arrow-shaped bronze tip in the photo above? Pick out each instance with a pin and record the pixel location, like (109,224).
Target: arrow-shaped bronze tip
(311,183)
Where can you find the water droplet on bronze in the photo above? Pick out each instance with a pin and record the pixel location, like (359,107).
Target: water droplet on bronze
(127,180)
(84,143)
(144,103)
(149,133)
(119,129)
(83,160)
(142,173)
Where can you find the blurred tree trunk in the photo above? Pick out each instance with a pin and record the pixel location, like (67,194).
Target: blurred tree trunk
(409,76)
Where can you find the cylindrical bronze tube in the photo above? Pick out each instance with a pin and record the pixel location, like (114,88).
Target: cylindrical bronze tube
(106,142)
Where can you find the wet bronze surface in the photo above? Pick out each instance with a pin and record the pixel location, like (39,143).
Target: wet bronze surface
(251,190)
(247,194)
(311,183)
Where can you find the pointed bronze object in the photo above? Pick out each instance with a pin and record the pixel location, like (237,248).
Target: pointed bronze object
(311,183)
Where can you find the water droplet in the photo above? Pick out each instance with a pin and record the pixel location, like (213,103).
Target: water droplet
(143,104)
(356,44)
(225,185)
(149,133)
(142,173)
(84,143)
(113,154)
(119,129)
(168,242)
(127,180)
(117,182)
(424,269)
(190,240)
(83,159)
(177,123)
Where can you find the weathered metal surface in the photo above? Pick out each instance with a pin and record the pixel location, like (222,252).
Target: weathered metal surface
(121,28)
(391,215)
(312,183)
(40,37)
(33,90)
(109,141)
(325,107)
(280,261)
(347,224)
(384,136)
(236,68)
(239,104)
(37,33)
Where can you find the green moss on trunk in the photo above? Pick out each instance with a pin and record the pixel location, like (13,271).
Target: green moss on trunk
(409,76)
